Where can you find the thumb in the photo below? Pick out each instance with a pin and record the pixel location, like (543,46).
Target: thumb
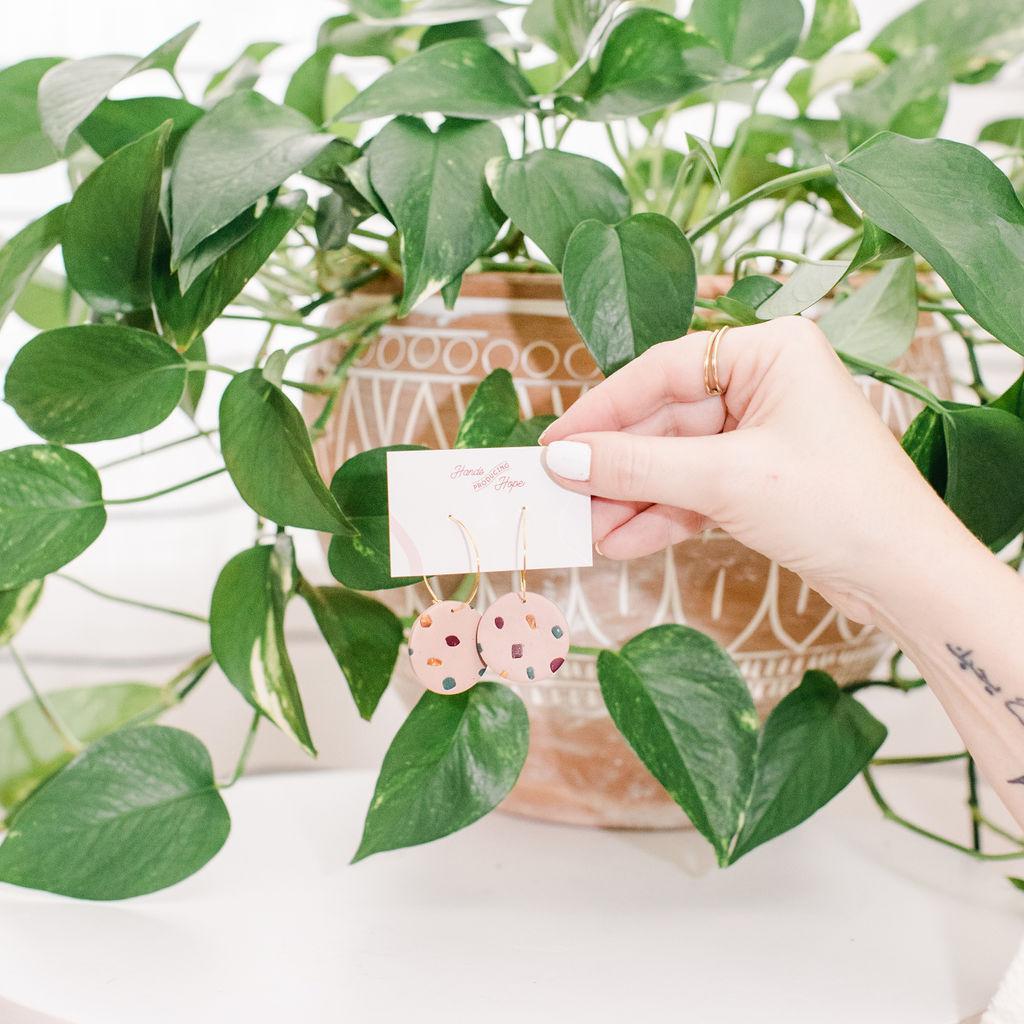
(685,472)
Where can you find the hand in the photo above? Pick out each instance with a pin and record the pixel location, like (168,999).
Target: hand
(792,461)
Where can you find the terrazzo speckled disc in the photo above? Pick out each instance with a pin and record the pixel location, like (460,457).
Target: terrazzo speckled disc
(523,640)
(443,647)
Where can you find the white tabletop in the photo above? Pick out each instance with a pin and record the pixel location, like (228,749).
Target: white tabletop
(848,919)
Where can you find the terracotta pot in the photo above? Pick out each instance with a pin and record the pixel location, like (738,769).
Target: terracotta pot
(412,387)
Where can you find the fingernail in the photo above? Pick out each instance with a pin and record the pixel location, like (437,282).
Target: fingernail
(570,459)
(543,434)
(597,548)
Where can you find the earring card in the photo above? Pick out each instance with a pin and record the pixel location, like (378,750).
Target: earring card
(486,488)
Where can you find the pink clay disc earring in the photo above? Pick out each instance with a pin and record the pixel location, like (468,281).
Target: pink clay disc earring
(442,642)
(523,637)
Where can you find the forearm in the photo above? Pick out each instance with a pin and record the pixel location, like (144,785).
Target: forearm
(958,614)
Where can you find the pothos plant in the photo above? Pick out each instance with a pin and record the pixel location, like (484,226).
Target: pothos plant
(187,210)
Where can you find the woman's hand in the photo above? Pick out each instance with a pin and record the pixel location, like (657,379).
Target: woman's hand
(792,461)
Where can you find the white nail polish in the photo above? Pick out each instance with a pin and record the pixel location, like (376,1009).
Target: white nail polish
(570,459)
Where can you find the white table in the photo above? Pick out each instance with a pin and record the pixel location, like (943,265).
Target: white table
(848,920)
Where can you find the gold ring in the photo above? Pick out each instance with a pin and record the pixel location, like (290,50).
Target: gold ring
(711,383)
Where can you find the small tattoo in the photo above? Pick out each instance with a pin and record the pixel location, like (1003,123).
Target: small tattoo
(1016,708)
(1019,780)
(965,659)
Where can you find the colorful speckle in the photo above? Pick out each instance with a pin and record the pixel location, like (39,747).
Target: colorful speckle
(531,621)
(556,632)
(529,672)
(482,671)
(503,674)
(448,683)
(452,640)
(499,622)
(479,648)
(433,661)
(557,663)
(517,650)
(425,620)
(409,649)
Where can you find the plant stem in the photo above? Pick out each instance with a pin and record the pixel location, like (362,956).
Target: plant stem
(937,307)
(895,379)
(762,191)
(158,448)
(972,804)
(895,683)
(376,236)
(243,757)
(883,762)
(215,367)
(162,491)
(197,669)
(999,831)
(130,601)
(67,738)
(898,819)
(776,254)
(582,649)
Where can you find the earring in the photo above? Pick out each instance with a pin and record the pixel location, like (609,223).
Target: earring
(442,642)
(523,637)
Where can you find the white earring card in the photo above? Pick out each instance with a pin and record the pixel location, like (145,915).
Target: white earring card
(487,489)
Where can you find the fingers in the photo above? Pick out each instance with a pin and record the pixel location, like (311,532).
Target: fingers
(685,472)
(607,515)
(653,529)
(689,419)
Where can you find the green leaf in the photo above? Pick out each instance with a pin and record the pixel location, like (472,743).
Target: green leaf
(649,60)
(968,38)
(831,70)
(16,604)
(433,186)
(267,451)
(116,123)
(814,743)
(30,749)
(753,290)
(235,154)
(629,286)
(754,34)
(453,760)
(564,26)
(22,255)
(137,812)
(364,636)
(242,73)
(459,78)
(546,194)
(110,226)
(968,223)
(971,456)
(184,317)
(363,561)
(683,706)
(73,89)
(47,302)
(247,634)
(23,144)
(1008,131)
(877,322)
(195,380)
(527,432)
(346,34)
(831,23)
(305,92)
(51,510)
(94,382)
(492,413)
(1017,883)
(909,97)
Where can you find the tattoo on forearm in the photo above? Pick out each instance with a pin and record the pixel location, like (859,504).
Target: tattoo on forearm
(1015,705)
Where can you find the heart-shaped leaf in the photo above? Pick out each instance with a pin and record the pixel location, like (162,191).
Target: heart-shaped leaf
(23,144)
(30,749)
(212,277)
(968,224)
(546,194)
(754,34)
(305,92)
(433,186)
(877,322)
(94,382)
(110,226)
(831,23)
(116,123)
(71,91)
(814,743)
(362,561)
(16,604)
(21,256)
(684,708)
(137,812)
(282,484)
(649,60)
(364,636)
(629,286)
(458,78)
(492,413)
(454,759)
(232,156)
(51,510)
(242,73)
(1007,131)
(247,634)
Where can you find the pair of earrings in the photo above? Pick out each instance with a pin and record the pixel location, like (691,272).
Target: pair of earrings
(522,637)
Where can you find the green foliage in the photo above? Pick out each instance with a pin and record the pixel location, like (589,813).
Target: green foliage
(23,144)
(492,413)
(453,760)
(16,604)
(754,34)
(22,255)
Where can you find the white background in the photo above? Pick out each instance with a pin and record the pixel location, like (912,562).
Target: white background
(170,550)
